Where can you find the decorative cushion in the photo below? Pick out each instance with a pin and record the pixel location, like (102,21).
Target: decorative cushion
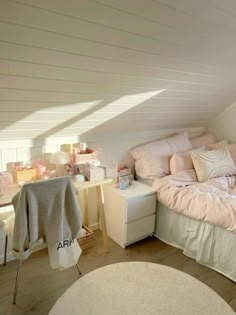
(181,161)
(204,140)
(222,144)
(152,159)
(214,163)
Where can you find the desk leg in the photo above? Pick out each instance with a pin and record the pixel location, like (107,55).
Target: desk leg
(85,214)
(102,218)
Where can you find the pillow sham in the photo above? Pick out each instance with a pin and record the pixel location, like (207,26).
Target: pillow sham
(204,140)
(181,161)
(152,159)
(211,164)
(218,145)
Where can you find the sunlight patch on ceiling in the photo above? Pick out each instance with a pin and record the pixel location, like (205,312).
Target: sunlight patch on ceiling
(74,119)
(107,112)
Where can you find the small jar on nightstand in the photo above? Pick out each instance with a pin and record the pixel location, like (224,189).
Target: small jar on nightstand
(130,213)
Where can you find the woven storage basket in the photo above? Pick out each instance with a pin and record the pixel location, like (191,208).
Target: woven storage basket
(86,241)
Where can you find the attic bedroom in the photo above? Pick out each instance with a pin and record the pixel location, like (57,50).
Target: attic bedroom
(117,157)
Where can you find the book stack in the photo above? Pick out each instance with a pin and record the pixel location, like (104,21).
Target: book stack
(125,174)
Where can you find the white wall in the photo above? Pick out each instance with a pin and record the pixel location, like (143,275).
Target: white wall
(224,126)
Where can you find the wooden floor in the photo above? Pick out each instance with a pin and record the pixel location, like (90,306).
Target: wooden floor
(40,286)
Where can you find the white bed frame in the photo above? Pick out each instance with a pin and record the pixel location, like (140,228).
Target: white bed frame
(208,244)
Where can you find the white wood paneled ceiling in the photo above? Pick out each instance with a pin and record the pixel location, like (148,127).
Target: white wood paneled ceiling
(73,67)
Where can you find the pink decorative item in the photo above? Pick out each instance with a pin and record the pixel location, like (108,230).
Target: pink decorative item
(51,173)
(40,170)
(5,181)
(182,161)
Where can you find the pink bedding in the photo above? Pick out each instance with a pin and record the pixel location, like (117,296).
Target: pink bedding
(213,201)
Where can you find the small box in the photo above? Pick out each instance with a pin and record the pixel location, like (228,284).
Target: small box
(86,241)
(24,175)
(95,173)
(125,171)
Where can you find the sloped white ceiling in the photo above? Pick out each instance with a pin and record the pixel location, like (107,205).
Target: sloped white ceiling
(71,67)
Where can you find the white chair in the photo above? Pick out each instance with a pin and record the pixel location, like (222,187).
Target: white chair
(47,210)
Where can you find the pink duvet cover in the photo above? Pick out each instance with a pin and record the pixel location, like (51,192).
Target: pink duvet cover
(213,201)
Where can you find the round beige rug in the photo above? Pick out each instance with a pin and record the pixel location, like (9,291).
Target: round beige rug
(139,288)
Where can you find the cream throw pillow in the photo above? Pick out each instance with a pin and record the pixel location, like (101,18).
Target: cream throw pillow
(222,144)
(214,163)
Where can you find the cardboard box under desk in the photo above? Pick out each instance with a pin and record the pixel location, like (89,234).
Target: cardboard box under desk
(24,175)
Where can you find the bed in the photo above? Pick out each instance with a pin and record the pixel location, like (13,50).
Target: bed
(201,234)
(208,244)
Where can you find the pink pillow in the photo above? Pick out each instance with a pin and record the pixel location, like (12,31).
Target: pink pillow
(221,145)
(182,161)
(152,159)
(204,140)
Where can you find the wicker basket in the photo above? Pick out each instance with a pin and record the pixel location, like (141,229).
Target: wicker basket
(86,241)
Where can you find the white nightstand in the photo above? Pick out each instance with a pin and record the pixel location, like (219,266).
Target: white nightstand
(130,213)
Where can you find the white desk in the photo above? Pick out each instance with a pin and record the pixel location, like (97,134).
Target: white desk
(84,186)
(6,198)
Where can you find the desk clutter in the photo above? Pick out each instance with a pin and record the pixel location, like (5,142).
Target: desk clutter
(75,160)
(84,164)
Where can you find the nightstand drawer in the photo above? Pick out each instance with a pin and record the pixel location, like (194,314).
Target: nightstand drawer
(140,207)
(139,229)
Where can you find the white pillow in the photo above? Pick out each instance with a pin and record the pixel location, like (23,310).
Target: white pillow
(152,159)
(211,164)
